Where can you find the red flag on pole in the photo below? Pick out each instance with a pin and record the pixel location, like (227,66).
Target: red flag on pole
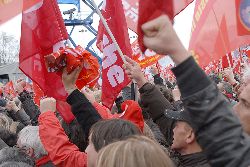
(43,32)
(215,30)
(226,60)
(147,59)
(113,75)
(149,10)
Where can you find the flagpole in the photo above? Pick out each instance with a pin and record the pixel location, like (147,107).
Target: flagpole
(108,30)
(114,41)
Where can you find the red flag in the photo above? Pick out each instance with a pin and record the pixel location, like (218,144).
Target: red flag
(242,16)
(43,31)
(9,90)
(225,61)
(113,75)
(149,10)
(214,31)
(38,93)
(131,12)
(11,8)
(147,59)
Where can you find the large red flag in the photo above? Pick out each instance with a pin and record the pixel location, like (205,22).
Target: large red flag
(113,75)
(149,9)
(217,29)
(43,32)
(11,8)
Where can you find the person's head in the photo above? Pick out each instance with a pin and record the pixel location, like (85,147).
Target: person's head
(29,140)
(105,132)
(184,140)
(14,157)
(242,108)
(75,134)
(133,152)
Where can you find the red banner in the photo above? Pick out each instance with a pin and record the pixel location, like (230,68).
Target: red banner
(43,32)
(11,8)
(215,30)
(147,59)
(113,75)
(149,10)
(131,8)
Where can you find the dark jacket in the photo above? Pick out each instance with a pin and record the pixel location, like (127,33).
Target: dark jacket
(158,80)
(218,130)
(193,160)
(83,110)
(155,104)
(20,116)
(29,107)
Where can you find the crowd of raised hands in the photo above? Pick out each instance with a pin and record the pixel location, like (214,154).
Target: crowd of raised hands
(195,120)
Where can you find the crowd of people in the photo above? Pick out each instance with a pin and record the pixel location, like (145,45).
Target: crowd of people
(198,120)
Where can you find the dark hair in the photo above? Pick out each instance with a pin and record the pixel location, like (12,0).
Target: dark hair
(9,155)
(75,134)
(105,132)
(8,137)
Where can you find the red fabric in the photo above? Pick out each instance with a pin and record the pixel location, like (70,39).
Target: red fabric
(215,29)
(60,150)
(113,75)
(73,58)
(242,11)
(133,113)
(9,9)
(42,161)
(248,53)
(104,112)
(131,12)
(9,90)
(226,60)
(149,10)
(38,94)
(42,29)
(147,59)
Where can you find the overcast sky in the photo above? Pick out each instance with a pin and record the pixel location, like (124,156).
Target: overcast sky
(182,26)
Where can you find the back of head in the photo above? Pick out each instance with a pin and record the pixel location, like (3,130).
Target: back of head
(108,131)
(29,137)
(133,152)
(11,157)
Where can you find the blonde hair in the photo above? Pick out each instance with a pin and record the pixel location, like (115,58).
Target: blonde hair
(136,151)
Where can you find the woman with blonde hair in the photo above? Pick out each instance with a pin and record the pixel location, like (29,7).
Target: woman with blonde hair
(136,151)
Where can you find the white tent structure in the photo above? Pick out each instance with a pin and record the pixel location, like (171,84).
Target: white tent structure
(10,72)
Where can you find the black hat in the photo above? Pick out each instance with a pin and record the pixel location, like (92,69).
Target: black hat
(3,102)
(178,116)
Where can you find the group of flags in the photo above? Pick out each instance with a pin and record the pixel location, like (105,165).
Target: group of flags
(219,27)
